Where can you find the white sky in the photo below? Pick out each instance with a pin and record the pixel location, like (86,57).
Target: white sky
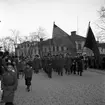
(27,15)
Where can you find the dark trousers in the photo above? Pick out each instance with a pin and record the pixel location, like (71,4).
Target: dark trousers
(28,81)
(60,71)
(49,71)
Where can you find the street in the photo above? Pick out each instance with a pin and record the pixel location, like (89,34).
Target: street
(88,89)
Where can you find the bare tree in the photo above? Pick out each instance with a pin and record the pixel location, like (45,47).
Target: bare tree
(102,12)
(32,36)
(100,23)
(7,44)
(41,33)
(25,38)
(3,44)
(15,37)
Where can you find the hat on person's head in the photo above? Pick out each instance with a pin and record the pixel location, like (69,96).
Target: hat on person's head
(1,53)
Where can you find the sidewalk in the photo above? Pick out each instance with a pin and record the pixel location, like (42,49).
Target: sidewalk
(96,70)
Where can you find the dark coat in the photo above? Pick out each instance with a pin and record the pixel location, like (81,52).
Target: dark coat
(68,62)
(36,64)
(80,64)
(9,90)
(28,72)
(60,62)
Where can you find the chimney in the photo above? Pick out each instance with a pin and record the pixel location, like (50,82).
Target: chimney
(73,33)
(41,39)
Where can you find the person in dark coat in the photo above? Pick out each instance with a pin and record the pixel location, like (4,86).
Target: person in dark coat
(9,85)
(49,66)
(79,66)
(55,63)
(16,60)
(103,63)
(68,63)
(36,64)
(60,64)
(28,75)
(1,65)
(74,65)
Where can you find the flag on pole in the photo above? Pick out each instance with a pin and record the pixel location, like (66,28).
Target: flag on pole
(61,38)
(92,44)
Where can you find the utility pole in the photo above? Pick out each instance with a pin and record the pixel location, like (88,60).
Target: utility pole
(77,25)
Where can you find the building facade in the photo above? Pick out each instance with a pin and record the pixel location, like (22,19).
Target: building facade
(80,41)
(27,49)
(47,47)
(43,48)
(30,49)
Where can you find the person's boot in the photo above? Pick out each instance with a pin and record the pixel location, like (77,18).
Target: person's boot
(80,73)
(61,73)
(74,72)
(50,76)
(28,88)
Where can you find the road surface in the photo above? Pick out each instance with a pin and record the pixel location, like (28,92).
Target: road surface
(88,89)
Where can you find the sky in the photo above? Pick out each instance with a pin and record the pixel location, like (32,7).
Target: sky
(28,15)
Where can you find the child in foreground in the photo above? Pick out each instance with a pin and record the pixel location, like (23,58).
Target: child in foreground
(28,76)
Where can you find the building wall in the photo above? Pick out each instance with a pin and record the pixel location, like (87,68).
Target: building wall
(54,50)
(27,49)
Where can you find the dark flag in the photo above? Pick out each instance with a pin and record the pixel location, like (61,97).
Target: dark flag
(61,38)
(92,44)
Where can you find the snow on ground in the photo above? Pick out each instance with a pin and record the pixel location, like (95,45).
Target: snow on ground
(63,90)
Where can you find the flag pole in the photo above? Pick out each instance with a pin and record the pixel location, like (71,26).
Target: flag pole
(53,28)
(53,22)
(89,23)
(51,42)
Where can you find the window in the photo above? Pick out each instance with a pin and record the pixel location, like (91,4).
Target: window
(57,48)
(79,46)
(65,48)
(53,48)
(35,51)
(49,48)
(62,48)
(45,49)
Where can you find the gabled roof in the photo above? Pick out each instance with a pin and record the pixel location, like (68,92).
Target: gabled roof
(78,38)
(46,42)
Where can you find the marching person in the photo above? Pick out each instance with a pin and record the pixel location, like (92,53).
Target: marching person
(79,65)
(49,66)
(28,75)
(1,70)
(68,63)
(36,64)
(60,64)
(9,84)
(74,65)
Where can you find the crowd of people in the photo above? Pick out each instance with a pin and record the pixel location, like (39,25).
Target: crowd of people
(12,66)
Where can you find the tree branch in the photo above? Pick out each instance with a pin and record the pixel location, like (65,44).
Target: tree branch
(100,27)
